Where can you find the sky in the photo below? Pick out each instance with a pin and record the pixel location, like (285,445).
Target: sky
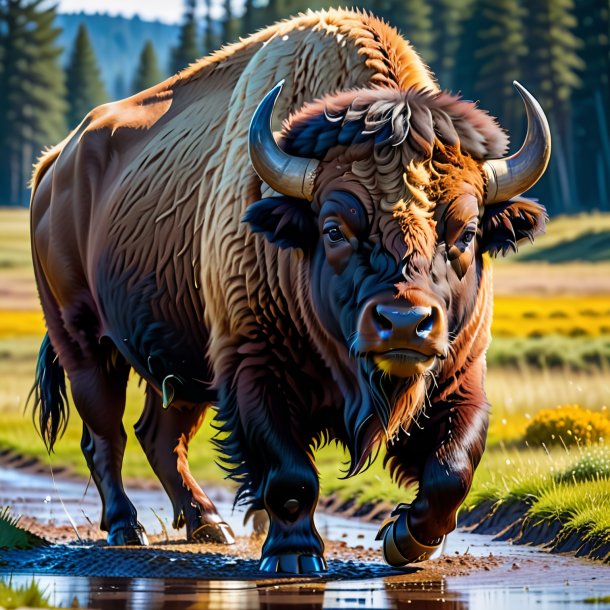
(168,11)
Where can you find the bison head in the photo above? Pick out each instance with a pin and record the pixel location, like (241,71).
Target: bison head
(394,197)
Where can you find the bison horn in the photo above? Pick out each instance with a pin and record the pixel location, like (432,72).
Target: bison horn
(514,175)
(288,175)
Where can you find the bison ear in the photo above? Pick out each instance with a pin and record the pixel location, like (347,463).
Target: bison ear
(284,221)
(506,224)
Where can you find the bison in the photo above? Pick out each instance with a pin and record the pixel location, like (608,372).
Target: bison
(334,284)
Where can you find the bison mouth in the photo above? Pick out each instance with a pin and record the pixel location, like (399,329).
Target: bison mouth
(403,362)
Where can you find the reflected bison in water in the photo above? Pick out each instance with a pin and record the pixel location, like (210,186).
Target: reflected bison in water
(334,285)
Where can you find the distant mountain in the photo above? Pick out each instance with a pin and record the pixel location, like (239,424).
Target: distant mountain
(118,42)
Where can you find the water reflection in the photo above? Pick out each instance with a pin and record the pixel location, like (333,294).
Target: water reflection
(159,594)
(175,594)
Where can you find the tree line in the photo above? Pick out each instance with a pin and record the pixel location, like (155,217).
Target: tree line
(559,49)
(41,101)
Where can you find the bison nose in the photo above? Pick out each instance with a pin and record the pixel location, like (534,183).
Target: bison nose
(402,338)
(411,322)
(404,328)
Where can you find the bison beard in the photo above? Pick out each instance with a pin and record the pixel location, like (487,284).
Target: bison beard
(351,303)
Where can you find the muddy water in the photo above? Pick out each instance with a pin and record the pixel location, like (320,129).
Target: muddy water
(475,572)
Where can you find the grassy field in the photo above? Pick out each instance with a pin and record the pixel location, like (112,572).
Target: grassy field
(551,346)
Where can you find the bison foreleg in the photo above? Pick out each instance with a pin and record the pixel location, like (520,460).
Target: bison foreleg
(269,447)
(441,456)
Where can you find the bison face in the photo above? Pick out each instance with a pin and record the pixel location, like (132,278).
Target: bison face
(395,287)
(382,302)
(389,196)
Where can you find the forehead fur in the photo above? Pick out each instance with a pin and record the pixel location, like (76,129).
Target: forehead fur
(412,120)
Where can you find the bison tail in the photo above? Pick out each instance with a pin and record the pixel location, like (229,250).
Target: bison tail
(50,412)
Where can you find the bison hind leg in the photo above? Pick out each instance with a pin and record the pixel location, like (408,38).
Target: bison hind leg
(99,383)
(164,435)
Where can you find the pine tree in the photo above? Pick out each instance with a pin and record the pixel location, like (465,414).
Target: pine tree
(551,70)
(414,20)
(32,92)
(147,72)
(209,39)
(84,82)
(229,23)
(448,20)
(499,60)
(187,50)
(591,102)
(248,18)
(274,10)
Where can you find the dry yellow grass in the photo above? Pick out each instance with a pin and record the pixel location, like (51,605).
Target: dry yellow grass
(549,280)
(516,396)
(535,316)
(21,324)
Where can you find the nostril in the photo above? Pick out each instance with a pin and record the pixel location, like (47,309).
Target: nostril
(424,328)
(383,322)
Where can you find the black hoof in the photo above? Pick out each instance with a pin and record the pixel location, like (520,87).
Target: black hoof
(400,547)
(217,532)
(293,563)
(127,535)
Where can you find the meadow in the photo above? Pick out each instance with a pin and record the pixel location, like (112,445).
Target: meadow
(551,346)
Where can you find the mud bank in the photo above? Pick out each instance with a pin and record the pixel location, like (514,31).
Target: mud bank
(511,522)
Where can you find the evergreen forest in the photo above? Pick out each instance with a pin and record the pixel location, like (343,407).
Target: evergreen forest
(559,49)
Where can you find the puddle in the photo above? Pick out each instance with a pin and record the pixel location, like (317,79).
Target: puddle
(158,594)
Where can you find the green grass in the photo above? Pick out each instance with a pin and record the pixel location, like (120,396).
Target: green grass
(582,508)
(577,353)
(515,395)
(12,536)
(15,240)
(22,596)
(592,464)
(542,479)
(526,374)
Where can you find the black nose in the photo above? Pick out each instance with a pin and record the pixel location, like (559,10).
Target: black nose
(409,322)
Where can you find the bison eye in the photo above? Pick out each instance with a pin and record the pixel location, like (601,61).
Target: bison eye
(334,234)
(468,236)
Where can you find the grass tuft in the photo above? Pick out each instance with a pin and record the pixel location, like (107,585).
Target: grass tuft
(592,464)
(597,600)
(22,596)
(12,536)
